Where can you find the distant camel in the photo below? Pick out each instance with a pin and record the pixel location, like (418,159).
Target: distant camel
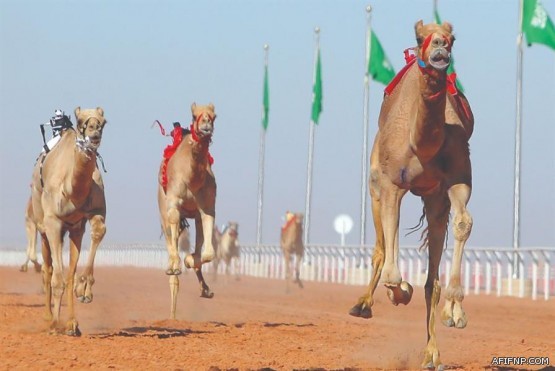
(292,245)
(228,248)
(187,189)
(67,190)
(422,147)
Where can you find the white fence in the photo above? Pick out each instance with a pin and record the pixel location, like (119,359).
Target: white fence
(484,270)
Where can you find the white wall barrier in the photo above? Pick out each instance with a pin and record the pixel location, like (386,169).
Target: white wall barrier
(483,270)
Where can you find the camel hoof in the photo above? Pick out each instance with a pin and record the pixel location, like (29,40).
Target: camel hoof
(361,310)
(23,268)
(430,366)
(298,282)
(448,322)
(85,299)
(401,294)
(72,329)
(38,267)
(461,323)
(206,293)
(191,262)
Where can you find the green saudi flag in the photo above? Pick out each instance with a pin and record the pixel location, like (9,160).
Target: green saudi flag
(536,24)
(451,67)
(266,101)
(378,65)
(317,91)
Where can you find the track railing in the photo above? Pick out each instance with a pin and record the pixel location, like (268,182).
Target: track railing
(486,271)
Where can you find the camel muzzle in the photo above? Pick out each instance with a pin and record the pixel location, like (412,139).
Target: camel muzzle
(205,130)
(440,58)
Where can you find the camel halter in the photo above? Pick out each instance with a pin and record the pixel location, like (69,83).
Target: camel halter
(81,142)
(194,133)
(425,45)
(196,137)
(410,59)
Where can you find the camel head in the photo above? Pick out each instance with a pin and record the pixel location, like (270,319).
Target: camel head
(90,124)
(434,44)
(293,218)
(233,229)
(203,121)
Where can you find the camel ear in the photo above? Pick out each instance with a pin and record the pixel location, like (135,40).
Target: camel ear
(211,106)
(100,111)
(417,31)
(77,112)
(193,107)
(447,27)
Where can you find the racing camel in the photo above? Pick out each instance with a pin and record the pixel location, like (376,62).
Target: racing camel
(292,245)
(66,192)
(422,146)
(228,248)
(187,190)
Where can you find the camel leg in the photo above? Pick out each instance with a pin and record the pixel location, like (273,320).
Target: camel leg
(75,240)
(399,291)
(31,253)
(287,260)
(83,288)
(47,276)
(437,216)
(53,228)
(209,252)
(192,260)
(298,259)
(174,264)
(431,353)
(174,290)
(237,264)
(452,314)
(363,308)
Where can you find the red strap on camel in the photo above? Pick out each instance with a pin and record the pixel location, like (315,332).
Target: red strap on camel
(289,222)
(196,138)
(409,60)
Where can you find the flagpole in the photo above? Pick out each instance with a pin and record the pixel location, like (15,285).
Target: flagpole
(365,125)
(306,238)
(516,202)
(261,151)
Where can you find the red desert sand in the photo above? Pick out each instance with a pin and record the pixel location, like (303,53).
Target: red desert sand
(253,324)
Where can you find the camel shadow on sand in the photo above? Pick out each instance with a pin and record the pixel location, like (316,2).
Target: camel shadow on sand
(150,331)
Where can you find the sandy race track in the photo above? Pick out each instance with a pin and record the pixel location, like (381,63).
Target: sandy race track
(253,324)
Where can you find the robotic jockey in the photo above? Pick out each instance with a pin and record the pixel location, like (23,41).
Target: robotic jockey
(58,123)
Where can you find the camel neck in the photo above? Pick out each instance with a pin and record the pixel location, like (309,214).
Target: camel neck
(81,176)
(427,133)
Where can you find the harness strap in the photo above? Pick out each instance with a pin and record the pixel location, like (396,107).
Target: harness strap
(46,149)
(40,170)
(101,161)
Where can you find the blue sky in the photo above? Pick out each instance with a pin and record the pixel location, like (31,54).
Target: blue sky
(147,60)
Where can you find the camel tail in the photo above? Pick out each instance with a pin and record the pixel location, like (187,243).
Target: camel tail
(424,235)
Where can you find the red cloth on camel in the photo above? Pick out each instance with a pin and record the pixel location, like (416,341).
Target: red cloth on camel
(177,135)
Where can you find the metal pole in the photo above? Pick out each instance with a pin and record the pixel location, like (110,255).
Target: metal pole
(516,204)
(365,125)
(261,152)
(306,238)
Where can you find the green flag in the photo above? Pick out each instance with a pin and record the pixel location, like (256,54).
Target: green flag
(378,65)
(266,101)
(317,91)
(451,67)
(536,24)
